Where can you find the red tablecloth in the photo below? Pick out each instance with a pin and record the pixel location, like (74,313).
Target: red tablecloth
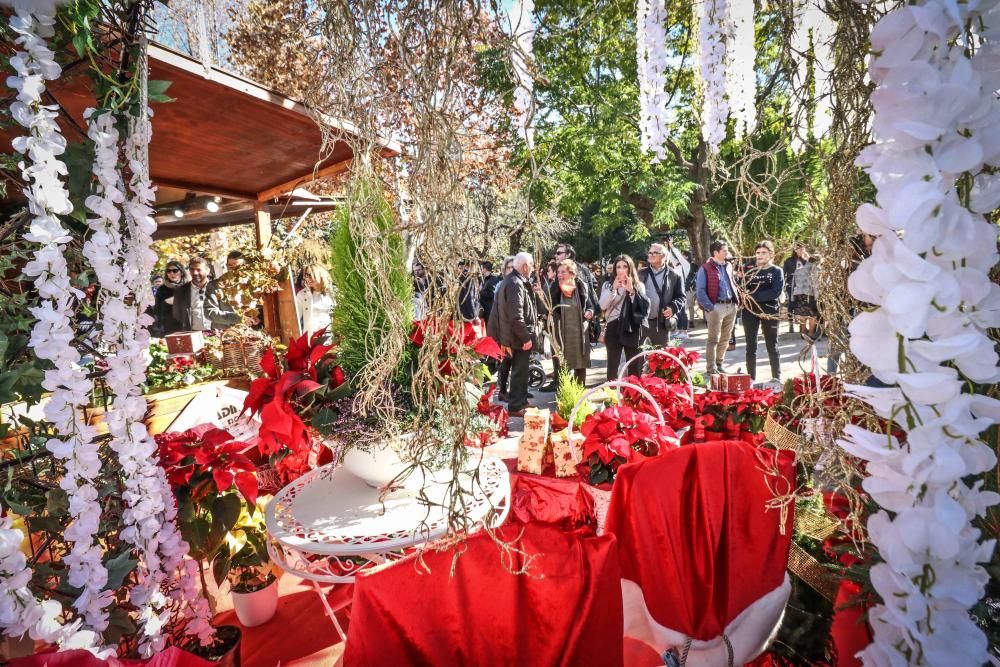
(474,610)
(561,501)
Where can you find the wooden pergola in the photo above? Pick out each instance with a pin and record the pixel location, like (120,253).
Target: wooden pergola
(229,140)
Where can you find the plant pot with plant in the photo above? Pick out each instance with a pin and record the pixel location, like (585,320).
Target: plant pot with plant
(243,561)
(214,483)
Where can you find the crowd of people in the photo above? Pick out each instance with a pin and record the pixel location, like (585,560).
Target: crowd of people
(189,297)
(563,308)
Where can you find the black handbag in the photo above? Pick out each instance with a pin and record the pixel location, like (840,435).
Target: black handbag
(635,310)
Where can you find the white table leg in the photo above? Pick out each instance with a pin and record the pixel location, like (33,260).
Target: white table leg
(328,608)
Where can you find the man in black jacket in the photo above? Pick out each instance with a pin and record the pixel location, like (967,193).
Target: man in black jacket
(512,324)
(487,292)
(198,305)
(665,289)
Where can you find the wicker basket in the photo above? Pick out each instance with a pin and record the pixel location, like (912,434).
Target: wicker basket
(241,352)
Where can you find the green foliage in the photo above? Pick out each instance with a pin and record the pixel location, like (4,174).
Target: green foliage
(165,373)
(361,315)
(568,393)
(20,371)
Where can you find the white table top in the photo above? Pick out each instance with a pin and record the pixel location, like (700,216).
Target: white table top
(329,511)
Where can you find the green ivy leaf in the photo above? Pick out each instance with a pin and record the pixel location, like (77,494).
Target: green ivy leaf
(119,625)
(157,90)
(56,502)
(221,565)
(226,510)
(119,567)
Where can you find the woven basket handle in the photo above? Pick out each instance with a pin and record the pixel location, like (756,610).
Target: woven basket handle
(687,372)
(613,383)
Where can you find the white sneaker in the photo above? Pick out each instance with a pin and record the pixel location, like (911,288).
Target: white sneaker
(681,335)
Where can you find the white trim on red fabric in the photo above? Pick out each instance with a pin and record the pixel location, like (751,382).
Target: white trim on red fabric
(750,633)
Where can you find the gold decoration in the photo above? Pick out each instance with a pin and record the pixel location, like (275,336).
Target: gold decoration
(812,572)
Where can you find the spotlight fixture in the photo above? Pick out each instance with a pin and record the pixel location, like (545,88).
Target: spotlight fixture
(212,206)
(178,212)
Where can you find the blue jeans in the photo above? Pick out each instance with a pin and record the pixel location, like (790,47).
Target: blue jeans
(682,320)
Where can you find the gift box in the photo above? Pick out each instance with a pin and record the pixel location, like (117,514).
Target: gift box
(730,383)
(562,453)
(185,342)
(531,449)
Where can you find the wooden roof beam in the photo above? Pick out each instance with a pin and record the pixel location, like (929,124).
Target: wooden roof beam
(284,188)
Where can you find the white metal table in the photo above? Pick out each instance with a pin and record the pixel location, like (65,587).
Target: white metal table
(328,525)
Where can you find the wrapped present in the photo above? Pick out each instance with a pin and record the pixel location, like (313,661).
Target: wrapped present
(731,383)
(185,342)
(562,453)
(531,449)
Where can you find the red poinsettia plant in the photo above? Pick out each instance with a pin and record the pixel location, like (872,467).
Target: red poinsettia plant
(747,410)
(293,399)
(618,435)
(211,477)
(458,338)
(664,366)
(673,399)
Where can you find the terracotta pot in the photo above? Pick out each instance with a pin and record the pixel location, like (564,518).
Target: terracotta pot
(258,607)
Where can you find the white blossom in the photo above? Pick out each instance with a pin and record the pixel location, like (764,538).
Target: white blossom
(936,123)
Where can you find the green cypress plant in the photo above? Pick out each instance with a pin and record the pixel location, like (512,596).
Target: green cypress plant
(374,299)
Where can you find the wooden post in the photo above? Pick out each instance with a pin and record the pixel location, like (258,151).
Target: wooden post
(281,319)
(262,231)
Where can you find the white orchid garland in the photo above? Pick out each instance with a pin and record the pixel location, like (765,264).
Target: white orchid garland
(22,613)
(652,59)
(523,31)
(741,75)
(712,35)
(52,334)
(119,249)
(726,75)
(937,125)
(813,34)
(122,269)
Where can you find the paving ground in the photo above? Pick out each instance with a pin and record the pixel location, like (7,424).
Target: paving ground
(790,347)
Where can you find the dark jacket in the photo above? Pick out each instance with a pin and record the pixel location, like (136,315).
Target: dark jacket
(486,294)
(217,312)
(584,274)
(765,286)
(555,296)
(788,268)
(671,295)
(162,313)
(468,297)
(515,313)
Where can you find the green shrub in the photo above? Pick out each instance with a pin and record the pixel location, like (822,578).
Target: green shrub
(373,286)
(568,394)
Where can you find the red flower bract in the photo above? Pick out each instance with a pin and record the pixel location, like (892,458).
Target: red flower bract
(207,449)
(619,435)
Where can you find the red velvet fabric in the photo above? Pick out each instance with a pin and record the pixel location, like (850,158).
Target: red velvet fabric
(849,630)
(172,657)
(567,611)
(704,546)
(559,501)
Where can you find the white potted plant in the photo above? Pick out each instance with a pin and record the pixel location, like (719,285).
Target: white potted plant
(243,562)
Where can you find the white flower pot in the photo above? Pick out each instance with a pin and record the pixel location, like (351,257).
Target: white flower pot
(381,464)
(256,608)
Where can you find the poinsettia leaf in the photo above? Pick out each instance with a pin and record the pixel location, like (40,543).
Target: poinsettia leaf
(269,364)
(247,484)
(226,510)
(223,479)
